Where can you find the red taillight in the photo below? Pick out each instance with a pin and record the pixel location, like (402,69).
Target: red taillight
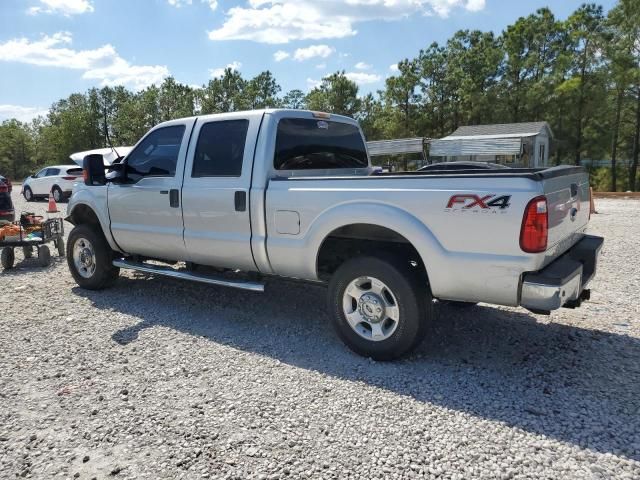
(70,178)
(535,226)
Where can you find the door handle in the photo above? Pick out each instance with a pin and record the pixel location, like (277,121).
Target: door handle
(164,192)
(240,200)
(174,198)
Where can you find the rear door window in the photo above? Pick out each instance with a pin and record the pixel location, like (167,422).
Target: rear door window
(310,144)
(52,172)
(220,149)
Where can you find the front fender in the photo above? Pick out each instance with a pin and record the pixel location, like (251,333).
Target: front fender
(94,198)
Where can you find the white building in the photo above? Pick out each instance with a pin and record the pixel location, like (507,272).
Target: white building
(512,144)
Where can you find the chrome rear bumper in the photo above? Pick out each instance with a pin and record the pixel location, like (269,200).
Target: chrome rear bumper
(562,282)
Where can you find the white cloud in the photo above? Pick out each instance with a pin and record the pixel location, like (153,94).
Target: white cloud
(362,78)
(121,72)
(281,55)
(23,114)
(475,5)
(311,83)
(281,21)
(213,4)
(64,7)
(102,63)
(394,68)
(363,66)
(218,72)
(321,51)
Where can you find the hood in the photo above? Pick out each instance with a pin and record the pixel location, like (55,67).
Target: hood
(108,155)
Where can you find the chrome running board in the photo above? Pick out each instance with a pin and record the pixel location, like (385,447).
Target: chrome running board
(185,275)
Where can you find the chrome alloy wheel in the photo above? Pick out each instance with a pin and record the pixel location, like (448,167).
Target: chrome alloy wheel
(371,308)
(84,257)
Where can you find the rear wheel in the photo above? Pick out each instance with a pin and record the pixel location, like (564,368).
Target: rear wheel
(7,258)
(28,194)
(377,306)
(57,194)
(90,258)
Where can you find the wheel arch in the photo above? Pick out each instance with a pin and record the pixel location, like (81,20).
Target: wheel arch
(82,213)
(357,239)
(387,225)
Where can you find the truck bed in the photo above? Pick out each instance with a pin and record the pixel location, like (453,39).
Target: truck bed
(467,248)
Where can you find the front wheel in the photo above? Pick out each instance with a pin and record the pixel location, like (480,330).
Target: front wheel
(8,258)
(378,307)
(44,256)
(28,194)
(90,259)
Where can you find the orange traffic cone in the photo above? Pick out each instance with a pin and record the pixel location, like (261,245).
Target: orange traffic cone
(53,208)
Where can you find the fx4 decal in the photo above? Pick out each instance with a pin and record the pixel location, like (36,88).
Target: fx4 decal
(486,202)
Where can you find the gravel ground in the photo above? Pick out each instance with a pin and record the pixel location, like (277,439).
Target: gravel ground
(166,379)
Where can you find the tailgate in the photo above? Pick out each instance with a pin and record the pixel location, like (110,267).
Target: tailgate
(568,202)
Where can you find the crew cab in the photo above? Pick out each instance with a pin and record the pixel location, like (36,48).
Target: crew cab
(292,193)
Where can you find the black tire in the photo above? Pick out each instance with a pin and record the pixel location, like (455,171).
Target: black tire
(44,256)
(105,273)
(413,300)
(60,247)
(58,196)
(28,194)
(7,258)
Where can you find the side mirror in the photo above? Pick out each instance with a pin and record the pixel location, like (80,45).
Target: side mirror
(93,170)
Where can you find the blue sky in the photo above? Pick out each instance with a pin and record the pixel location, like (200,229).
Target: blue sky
(52,48)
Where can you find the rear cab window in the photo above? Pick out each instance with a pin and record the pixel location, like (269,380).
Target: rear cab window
(314,144)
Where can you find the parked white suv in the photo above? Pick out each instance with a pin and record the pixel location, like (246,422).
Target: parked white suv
(58,179)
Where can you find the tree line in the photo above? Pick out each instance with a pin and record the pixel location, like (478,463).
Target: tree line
(582,75)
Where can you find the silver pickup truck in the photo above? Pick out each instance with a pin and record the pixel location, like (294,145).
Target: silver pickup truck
(231,199)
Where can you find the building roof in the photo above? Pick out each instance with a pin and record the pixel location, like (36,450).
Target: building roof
(524,129)
(397,146)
